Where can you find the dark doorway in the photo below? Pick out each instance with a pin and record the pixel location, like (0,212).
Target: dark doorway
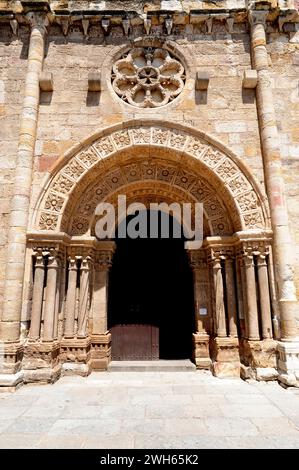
(151,305)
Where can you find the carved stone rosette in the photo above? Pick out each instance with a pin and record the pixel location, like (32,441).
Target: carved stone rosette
(148,77)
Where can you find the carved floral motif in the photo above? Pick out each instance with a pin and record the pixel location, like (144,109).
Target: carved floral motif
(148,77)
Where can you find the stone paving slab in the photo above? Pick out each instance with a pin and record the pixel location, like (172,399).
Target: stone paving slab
(150,410)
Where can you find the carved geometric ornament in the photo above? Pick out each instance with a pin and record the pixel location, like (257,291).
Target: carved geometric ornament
(148,77)
(237,191)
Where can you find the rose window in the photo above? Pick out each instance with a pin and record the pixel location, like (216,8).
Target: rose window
(148,77)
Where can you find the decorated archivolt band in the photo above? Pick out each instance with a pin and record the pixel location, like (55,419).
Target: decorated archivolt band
(248,202)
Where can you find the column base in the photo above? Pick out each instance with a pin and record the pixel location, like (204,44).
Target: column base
(288,363)
(41,362)
(201,353)
(225,357)
(100,351)
(258,359)
(11,376)
(75,356)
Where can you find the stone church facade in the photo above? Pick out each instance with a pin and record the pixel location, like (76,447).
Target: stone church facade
(163,101)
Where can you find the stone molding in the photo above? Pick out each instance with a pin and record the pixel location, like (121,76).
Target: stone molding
(88,163)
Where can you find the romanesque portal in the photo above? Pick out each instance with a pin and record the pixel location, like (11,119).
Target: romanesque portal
(232,283)
(183,105)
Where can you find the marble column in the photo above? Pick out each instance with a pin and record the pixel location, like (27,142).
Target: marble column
(231,296)
(50,301)
(219,298)
(283,248)
(19,209)
(84,297)
(252,324)
(69,327)
(37,297)
(264,296)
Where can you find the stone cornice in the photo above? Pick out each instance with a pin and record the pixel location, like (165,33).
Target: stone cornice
(169,13)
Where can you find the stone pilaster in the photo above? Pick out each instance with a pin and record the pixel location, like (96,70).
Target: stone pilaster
(50,301)
(69,327)
(264,295)
(101,337)
(19,210)
(224,349)
(75,346)
(251,319)
(283,249)
(37,297)
(231,296)
(84,299)
(201,337)
(219,297)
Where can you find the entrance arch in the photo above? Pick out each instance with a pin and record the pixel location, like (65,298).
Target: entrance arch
(151,161)
(195,163)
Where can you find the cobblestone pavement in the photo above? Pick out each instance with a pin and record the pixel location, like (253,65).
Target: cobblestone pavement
(150,410)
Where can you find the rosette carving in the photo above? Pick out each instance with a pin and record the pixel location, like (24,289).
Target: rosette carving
(148,77)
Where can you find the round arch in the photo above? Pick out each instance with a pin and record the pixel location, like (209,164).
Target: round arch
(175,160)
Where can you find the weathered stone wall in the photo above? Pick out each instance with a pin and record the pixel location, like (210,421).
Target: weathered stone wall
(13,65)
(284,53)
(70,113)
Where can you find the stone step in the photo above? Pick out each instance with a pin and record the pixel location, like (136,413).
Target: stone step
(155,366)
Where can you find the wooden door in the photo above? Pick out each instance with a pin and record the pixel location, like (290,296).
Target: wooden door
(134,342)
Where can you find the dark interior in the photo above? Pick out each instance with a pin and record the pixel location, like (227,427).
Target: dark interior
(151,284)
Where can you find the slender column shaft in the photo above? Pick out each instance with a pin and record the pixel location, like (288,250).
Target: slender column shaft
(100,304)
(219,299)
(84,297)
(19,210)
(264,297)
(283,249)
(69,327)
(103,262)
(37,298)
(231,297)
(252,312)
(240,289)
(201,290)
(57,300)
(50,302)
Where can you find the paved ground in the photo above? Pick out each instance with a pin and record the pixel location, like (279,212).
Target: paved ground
(150,410)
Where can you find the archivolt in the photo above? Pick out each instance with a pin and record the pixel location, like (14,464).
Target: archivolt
(125,155)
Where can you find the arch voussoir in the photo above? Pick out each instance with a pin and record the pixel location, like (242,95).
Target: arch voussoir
(207,159)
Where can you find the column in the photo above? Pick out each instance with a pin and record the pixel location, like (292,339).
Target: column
(19,210)
(219,298)
(37,297)
(252,312)
(57,298)
(84,298)
(100,300)
(69,327)
(265,303)
(283,249)
(231,296)
(50,301)
(201,290)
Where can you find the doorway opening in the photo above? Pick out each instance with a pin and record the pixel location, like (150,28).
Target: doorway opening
(151,298)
